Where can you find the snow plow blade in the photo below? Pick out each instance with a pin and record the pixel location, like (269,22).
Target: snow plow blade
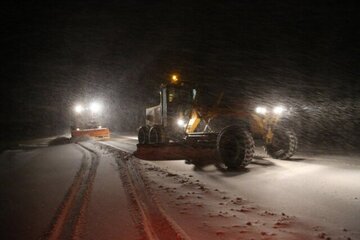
(99,133)
(173,151)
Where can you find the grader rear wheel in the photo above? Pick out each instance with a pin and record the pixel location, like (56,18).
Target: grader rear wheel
(143,135)
(156,135)
(235,147)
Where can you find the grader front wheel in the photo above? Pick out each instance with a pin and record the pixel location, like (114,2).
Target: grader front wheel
(283,145)
(235,147)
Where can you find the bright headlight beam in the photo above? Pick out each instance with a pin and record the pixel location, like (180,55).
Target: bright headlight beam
(278,109)
(180,122)
(95,107)
(261,110)
(78,108)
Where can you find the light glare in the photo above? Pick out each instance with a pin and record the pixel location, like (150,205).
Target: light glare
(261,110)
(78,108)
(278,110)
(174,78)
(181,122)
(95,107)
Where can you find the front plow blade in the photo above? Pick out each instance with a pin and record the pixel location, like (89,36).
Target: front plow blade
(98,133)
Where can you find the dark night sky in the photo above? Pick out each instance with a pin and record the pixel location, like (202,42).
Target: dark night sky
(120,51)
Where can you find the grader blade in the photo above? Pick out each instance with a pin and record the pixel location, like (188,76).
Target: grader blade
(173,151)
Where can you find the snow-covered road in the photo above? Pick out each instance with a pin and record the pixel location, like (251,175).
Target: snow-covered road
(33,186)
(70,191)
(321,189)
(98,190)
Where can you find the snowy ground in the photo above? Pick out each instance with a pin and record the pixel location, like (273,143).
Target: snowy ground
(33,185)
(99,191)
(322,190)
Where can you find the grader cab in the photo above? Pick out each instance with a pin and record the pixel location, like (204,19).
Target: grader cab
(182,127)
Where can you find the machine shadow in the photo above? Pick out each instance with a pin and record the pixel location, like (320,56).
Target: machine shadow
(209,164)
(296,159)
(260,160)
(59,141)
(223,170)
(202,165)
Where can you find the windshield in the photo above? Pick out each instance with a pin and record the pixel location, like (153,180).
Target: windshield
(179,95)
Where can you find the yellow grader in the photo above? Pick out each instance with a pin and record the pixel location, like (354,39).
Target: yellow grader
(181,127)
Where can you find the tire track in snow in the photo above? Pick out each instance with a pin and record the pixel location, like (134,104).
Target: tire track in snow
(70,216)
(156,223)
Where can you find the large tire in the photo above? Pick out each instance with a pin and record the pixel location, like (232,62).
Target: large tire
(143,135)
(156,135)
(235,147)
(283,146)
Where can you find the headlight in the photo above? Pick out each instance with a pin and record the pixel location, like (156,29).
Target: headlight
(180,122)
(261,110)
(95,107)
(78,108)
(279,110)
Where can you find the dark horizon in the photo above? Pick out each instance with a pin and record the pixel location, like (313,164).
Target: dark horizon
(57,54)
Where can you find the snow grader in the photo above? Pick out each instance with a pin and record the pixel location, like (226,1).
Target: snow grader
(86,123)
(183,127)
